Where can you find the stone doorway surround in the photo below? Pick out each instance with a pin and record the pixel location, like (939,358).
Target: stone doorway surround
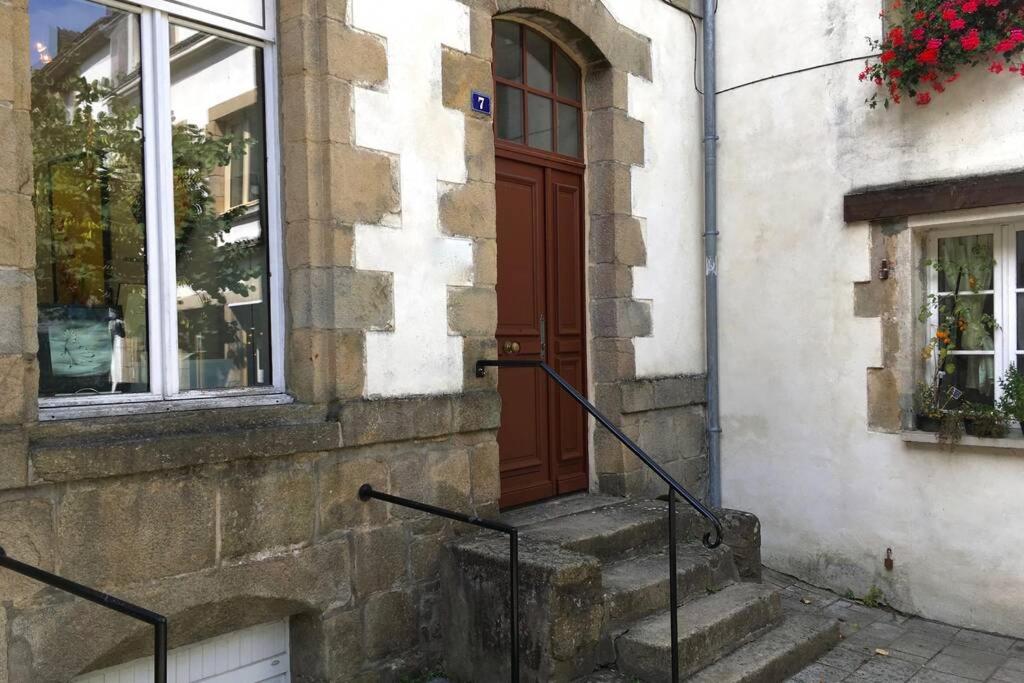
(614,144)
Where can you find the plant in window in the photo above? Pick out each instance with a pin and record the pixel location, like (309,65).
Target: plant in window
(961,322)
(985,421)
(932,41)
(1011,401)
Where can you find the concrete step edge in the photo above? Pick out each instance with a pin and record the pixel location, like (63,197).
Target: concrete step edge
(778,654)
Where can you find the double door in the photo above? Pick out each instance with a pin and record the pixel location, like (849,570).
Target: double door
(541,316)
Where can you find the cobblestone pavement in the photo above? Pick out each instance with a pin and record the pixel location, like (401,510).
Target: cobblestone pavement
(881,646)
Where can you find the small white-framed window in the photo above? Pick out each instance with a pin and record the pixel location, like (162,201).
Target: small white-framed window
(982,268)
(157,202)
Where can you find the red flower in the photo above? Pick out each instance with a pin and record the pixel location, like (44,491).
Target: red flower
(1005,45)
(1017,35)
(938,87)
(971,41)
(996,67)
(949,14)
(970,7)
(896,37)
(957,24)
(934,44)
(919,16)
(928,57)
(917,34)
(953,77)
(888,56)
(923,98)
(895,73)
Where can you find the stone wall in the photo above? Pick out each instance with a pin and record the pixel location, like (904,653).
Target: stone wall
(225,518)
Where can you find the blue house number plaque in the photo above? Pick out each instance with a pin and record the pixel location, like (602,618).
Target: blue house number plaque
(481,103)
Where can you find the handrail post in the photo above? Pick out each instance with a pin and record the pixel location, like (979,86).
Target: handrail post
(513,570)
(673,584)
(160,651)
(367,493)
(157,621)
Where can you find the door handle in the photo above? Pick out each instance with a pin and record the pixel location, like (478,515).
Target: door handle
(511,347)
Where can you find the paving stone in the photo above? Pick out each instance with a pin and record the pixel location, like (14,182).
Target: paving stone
(983,641)
(818,673)
(884,670)
(873,636)
(931,627)
(967,662)
(906,657)
(844,658)
(1015,664)
(921,644)
(1008,675)
(929,676)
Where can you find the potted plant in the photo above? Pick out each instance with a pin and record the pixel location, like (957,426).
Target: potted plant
(1011,402)
(985,421)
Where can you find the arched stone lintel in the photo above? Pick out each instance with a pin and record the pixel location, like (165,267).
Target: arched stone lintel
(588,29)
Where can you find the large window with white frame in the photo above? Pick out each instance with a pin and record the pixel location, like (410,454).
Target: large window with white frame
(156,202)
(979,272)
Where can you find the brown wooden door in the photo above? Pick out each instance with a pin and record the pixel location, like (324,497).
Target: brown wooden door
(542,438)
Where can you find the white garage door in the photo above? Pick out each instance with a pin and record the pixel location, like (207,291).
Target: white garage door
(255,655)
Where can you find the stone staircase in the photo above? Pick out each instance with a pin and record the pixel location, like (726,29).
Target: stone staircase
(594,594)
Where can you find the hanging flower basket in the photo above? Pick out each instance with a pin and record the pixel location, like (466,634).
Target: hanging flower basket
(932,41)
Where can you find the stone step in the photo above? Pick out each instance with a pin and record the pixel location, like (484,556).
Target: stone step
(778,654)
(709,628)
(637,586)
(607,532)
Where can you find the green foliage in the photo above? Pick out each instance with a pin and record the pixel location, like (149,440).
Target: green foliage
(985,421)
(1011,386)
(874,597)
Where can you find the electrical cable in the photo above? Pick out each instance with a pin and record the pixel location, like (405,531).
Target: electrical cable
(796,71)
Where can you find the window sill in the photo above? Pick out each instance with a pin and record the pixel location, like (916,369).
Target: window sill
(73,450)
(1014,441)
(53,411)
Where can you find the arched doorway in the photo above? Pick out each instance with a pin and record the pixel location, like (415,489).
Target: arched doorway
(541,262)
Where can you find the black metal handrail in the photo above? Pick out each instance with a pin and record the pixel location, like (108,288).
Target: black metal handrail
(157,621)
(674,487)
(367,492)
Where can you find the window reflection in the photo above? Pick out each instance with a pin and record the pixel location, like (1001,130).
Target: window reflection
(88,198)
(220,238)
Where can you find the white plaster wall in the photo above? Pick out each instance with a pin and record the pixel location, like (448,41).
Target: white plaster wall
(831,495)
(407,119)
(667,191)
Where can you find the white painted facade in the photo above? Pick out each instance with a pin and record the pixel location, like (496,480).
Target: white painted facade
(407,118)
(667,191)
(797,451)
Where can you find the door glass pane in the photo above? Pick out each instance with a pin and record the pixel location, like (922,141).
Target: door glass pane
(568,76)
(1020,322)
(538,61)
(539,117)
(973,375)
(509,111)
(969,323)
(508,53)
(1020,259)
(965,263)
(88,197)
(568,130)
(220,231)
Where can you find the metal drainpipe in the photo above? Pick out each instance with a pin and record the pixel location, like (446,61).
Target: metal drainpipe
(711,257)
